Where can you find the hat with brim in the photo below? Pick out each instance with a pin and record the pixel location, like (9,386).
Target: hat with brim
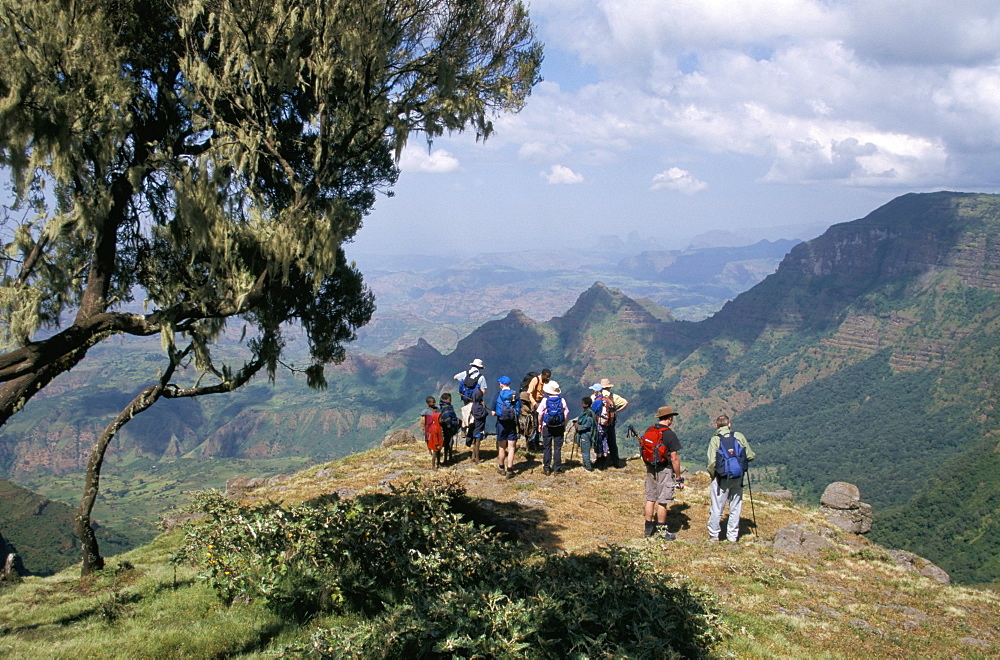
(606,384)
(596,387)
(504,380)
(552,388)
(665,411)
(476,363)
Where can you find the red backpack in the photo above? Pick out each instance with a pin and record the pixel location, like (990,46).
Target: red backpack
(608,413)
(654,452)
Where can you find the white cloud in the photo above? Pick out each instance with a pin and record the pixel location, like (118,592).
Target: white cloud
(418,159)
(560,174)
(677,179)
(904,92)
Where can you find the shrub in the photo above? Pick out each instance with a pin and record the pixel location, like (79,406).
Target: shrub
(361,554)
(609,603)
(426,582)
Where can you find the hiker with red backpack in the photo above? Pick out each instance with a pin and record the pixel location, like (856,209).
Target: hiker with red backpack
(660,449)
(553,413)
(729,455)
(606,406)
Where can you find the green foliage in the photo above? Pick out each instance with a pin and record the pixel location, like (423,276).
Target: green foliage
(212,158)
(361,554)
(961,504)
(431,583)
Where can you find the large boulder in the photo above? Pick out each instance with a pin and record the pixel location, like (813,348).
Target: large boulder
(841,504)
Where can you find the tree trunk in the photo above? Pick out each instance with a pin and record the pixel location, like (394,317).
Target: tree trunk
(92,560)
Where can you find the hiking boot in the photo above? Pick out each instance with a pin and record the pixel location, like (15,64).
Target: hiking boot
(546,471)
(500,469)
(509,474)
(650,528)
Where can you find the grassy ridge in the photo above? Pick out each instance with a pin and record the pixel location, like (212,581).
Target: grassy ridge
(848,601)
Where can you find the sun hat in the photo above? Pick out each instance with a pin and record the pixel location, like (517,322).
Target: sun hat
(606,384)
(476,363)
(552,388)
(665,411)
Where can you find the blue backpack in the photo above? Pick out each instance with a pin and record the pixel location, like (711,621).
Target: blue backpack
(508,407)
(468,385)
(731,458)
(553,416)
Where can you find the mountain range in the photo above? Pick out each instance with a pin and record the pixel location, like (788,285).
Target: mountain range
(870,355)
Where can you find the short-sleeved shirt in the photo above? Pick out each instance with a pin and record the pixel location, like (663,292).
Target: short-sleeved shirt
(660,478)
(473,371)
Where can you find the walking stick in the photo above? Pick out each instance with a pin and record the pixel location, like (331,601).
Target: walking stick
(752,512)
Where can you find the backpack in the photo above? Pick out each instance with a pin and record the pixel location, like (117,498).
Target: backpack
(508,409)
(654,452)
(469,385)
(528,377)
(553,416)
(608,414)
(731,458)
(448,418)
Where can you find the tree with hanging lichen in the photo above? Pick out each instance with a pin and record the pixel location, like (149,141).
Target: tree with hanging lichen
(210,157)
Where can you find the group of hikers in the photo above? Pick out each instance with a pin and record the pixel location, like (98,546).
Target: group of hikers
(538,412)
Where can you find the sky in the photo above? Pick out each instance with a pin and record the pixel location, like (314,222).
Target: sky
(671,118)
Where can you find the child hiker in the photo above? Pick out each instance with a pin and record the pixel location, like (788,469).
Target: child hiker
(449,426)
(432,432)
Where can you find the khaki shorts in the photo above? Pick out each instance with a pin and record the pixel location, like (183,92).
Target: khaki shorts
(660,484)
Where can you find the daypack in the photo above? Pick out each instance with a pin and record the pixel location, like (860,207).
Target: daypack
(553,416)
(608,414)
(469,385)
(654,452)
(449,420)
(731,458)
(528,377)
(508,409)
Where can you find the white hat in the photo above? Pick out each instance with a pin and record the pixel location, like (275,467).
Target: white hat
(476,363)
(552,388)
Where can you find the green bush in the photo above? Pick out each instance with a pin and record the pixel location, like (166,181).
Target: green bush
(362,554)
(419,579)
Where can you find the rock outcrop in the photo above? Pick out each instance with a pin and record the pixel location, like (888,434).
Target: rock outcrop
(802,539)
(841,504)
(399,437)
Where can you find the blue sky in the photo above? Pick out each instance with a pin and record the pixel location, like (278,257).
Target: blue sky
(675,117)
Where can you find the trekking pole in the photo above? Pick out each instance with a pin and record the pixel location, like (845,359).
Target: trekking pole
(752,512)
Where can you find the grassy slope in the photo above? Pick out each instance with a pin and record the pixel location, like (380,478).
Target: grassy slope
(848,602)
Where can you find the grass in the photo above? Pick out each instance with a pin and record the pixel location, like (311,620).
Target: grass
(849,602)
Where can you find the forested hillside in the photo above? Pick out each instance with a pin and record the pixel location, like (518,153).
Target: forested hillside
(40,531)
